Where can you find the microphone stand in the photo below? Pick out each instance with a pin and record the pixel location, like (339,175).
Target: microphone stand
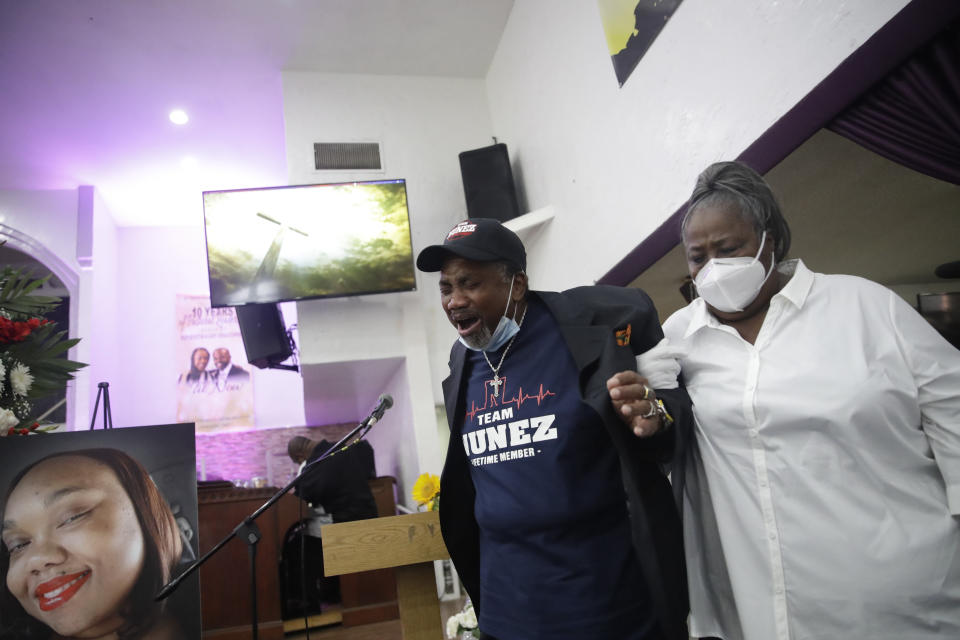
(248,530)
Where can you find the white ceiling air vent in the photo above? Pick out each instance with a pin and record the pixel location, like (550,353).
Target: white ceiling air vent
(349,156)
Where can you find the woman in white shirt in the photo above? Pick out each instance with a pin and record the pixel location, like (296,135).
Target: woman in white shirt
(822,489)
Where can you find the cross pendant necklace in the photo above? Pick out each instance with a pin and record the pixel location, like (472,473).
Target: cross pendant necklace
(497,380)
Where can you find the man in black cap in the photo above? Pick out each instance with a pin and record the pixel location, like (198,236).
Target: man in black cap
(554,506)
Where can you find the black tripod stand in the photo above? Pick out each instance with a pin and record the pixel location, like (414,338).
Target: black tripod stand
(104,390)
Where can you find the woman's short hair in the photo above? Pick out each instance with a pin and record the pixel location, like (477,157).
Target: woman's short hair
(161,537)
(737,185)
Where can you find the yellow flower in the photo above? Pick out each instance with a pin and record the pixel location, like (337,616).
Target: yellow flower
(426,490)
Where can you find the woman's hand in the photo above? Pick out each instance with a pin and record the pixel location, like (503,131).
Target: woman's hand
(635,403)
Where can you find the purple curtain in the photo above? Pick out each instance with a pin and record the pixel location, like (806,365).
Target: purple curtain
(912,116)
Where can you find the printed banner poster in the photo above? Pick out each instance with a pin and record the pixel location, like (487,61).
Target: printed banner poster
(631,26)
(95,523)
(214,388)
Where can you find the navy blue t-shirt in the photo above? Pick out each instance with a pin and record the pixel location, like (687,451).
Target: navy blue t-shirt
(556,559)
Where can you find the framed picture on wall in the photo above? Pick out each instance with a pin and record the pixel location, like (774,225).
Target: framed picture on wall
(215,386)
(95,523)
(631,26)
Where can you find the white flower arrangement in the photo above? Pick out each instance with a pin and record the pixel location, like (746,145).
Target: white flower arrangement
(8,419)
(464,623)
(20,379)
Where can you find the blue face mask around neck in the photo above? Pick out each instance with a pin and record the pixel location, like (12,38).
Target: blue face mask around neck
(506,329)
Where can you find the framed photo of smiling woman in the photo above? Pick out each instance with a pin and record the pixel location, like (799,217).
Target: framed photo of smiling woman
(94,524)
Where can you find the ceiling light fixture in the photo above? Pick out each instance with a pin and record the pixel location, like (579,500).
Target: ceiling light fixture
(179,116)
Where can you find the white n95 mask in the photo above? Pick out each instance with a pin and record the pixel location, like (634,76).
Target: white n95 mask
(731,284)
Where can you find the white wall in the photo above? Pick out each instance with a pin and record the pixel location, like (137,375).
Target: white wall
(613,162)
(102,314)
(156,264)
(422,125)
(616,162)
(49,217)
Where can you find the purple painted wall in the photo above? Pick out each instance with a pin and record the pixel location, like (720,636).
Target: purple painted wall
(242,455)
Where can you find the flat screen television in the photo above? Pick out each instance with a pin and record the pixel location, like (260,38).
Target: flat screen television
(278,244)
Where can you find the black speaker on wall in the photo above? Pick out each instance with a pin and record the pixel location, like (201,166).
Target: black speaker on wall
(488,183)
(264,334)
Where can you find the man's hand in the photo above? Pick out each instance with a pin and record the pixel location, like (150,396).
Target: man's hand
(635,403)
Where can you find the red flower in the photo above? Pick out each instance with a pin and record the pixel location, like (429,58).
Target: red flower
(11,431)
(13,331)
(24,432)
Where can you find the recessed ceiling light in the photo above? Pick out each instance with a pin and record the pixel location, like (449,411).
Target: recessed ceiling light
(179,116)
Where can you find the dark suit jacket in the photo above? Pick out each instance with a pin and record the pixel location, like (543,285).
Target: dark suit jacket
(238,372)
(589,318)
(341,482)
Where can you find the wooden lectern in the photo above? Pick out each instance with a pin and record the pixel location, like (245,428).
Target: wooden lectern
(408,543)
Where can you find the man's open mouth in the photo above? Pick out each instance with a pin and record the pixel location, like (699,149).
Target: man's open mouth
(466,323)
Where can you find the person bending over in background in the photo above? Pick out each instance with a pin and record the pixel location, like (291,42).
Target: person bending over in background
(340,484)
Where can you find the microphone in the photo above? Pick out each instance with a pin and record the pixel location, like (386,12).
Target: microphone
(384,402)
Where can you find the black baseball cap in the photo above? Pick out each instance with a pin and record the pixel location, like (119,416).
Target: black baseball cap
(478,239)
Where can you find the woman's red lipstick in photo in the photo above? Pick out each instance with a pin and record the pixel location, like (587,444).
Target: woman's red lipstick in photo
(54,593)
